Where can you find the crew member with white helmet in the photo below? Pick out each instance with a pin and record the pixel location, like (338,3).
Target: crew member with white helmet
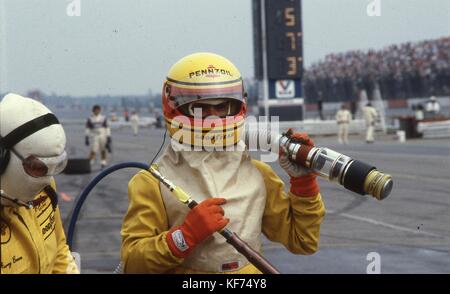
(32,144)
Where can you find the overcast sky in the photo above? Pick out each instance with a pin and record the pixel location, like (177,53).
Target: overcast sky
(126,47)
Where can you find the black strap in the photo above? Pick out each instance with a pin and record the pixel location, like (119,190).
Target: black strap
(53,196)
(27,129)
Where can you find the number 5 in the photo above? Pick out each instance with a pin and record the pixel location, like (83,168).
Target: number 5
(289,16)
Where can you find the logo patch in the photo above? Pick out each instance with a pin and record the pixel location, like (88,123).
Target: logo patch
(178,240)
(234,265)
(211,72)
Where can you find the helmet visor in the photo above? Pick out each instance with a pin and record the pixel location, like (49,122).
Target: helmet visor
(217,108)
(180,95)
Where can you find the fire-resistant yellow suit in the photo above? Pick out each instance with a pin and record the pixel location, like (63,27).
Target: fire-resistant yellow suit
(33,240)
(288,219)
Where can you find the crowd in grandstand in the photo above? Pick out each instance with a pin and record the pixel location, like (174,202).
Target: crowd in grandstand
(408,70)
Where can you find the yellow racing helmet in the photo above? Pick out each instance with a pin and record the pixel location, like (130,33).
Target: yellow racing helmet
(199,79)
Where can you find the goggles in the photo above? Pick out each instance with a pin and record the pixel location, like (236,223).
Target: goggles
(37,167)
(219,108)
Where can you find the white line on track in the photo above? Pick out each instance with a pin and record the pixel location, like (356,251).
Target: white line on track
(386,225)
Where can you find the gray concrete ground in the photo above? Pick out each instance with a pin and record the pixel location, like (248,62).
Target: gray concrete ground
(410,229)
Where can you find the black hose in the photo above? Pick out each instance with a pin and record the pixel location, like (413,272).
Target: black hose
(90,186)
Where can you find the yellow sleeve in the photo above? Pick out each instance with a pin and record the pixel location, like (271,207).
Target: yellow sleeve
(144,247)
(64,263)
(288,219)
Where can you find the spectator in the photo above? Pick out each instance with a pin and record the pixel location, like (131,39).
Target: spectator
(401,71)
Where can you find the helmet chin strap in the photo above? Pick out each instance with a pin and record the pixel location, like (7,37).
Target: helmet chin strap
(51,193)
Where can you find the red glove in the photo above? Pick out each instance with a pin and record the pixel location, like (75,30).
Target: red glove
(302,138)
(303,180)
(201,222)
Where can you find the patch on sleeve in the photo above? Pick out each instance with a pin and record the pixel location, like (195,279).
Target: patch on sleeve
(179,241)
(230,266)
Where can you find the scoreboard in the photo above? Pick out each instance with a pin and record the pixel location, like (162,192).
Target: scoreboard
(283,35)
(278,55)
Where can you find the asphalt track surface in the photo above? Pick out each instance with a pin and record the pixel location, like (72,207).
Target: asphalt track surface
(410,230)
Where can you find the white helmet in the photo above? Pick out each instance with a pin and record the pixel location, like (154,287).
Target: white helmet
(32,144)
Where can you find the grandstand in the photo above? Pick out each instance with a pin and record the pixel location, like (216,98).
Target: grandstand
(405,75)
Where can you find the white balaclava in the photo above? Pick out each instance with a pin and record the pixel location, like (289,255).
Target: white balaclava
(49,141)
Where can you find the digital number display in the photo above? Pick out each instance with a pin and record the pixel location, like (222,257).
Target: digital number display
(284,39)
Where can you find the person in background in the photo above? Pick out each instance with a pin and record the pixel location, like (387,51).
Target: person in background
(113,116)
(158,123)
(98,135)
(343,118)
(432,107)
(320,108)
(353,108)
(134,119)
(370,117)
(418,112)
